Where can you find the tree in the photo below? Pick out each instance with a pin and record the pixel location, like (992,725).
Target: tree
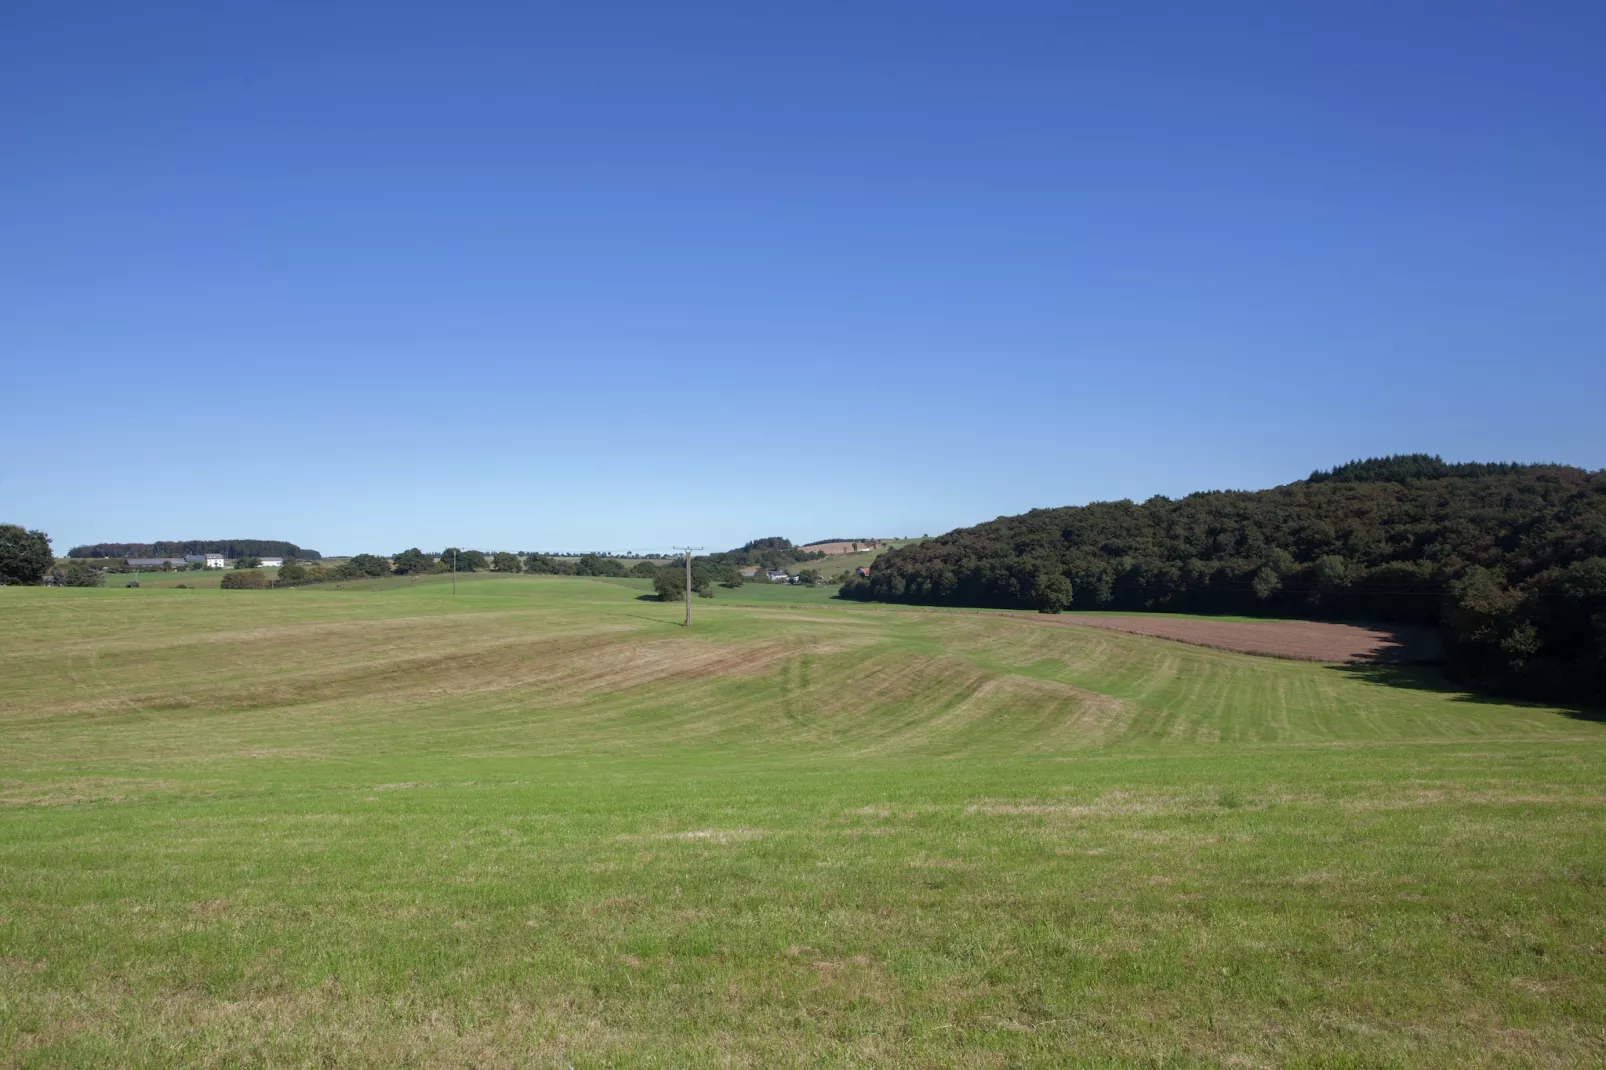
(369,565)
(1053,593)
(597,565)
(413,562)
(244,581)
(670,582)
(1266,582)
(292,572)
(542,564)
(506,562)
(1331,571)
(465,560)
(247,562)
(645,570)
(25,556)
(808,577)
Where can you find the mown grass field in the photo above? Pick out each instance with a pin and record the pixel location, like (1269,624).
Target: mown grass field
(538,823)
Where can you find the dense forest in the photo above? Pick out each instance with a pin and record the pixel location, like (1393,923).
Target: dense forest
(1510,560)
(230,548)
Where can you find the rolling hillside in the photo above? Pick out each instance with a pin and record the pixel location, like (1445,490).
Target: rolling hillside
(539,823)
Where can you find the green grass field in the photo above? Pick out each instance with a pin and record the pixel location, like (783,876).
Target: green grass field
(830,566)
(539,823)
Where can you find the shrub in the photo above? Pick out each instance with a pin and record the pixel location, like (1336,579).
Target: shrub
(78,574)
(244,581)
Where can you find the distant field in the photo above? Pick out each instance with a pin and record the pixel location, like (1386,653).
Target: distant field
(539,823)
(209,578)
(836,549)
(838,562)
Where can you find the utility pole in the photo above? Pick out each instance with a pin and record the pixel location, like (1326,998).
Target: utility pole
(454,571)
(687,550)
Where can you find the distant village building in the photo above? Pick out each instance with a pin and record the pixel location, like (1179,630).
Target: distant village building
(861,570)
(777,576)
(272,562)
(209,560)
(750,572)
(155,562)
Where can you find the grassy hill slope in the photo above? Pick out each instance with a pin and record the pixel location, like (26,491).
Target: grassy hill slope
(539,823)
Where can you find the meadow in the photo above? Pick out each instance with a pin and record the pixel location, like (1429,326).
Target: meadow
(540,823)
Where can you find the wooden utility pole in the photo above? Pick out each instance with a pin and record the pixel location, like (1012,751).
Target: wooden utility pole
(687,550)
(454,571)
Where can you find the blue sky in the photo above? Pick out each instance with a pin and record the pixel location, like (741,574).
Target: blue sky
(563,276)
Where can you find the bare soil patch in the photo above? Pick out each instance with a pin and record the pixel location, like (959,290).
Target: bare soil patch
(1301,640)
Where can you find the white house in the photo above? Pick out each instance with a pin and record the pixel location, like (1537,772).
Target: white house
(209,560)
(272,562)
(776,576)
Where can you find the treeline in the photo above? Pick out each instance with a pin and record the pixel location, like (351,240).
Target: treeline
(1510,560)
(1404,467)
(230,548)
(773,552)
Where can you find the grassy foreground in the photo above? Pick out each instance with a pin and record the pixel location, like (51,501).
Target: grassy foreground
(541,824)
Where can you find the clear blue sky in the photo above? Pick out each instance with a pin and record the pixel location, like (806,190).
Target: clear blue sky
(532,276)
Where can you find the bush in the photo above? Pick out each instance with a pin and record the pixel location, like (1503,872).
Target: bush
(244,581)
(79,574)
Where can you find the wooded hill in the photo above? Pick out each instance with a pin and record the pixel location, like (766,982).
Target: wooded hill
(230,548)
(1510,559)
(773,552)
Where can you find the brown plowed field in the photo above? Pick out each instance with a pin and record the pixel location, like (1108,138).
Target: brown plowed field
(1302,640)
